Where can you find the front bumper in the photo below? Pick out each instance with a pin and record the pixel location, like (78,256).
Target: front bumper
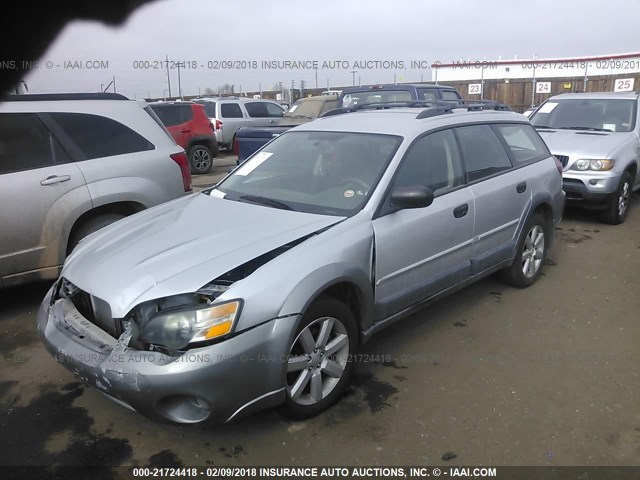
(215,383)
(592,189)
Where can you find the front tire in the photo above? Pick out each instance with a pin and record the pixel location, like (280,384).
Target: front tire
(618,208)
(319,363)
(531,253)
(200,159)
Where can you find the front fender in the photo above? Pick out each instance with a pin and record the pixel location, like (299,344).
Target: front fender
(318,281)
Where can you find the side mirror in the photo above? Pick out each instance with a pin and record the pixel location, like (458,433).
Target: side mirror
(411,197)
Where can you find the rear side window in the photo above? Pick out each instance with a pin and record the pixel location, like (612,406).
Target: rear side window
(25,143)
(427,94)
(98,136)
(524,143)
(230,110)
(482,152)
(172,115)
(449,95)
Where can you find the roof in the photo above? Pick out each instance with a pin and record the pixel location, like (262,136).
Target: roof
(403,121)
(594,95)
(41,97)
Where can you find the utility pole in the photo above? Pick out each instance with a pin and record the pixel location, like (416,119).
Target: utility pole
(114,84)
(168,76)
(101,88)
(353,77)
(316,77)
(179,82)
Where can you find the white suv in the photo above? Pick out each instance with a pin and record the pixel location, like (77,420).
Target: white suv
(71,164)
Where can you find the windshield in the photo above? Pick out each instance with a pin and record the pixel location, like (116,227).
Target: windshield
(615,115)
(375,96)
(331,173)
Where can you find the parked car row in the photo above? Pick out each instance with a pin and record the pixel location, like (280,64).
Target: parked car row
(250,139)
(230,113)
(329,232)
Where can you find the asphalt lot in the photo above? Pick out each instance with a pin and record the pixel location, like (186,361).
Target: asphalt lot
(493,375)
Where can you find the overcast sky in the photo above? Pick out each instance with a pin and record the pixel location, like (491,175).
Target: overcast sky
(331,30)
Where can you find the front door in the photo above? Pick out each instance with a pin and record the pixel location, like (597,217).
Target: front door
(420,252)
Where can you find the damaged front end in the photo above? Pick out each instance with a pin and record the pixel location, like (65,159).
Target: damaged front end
(161,358)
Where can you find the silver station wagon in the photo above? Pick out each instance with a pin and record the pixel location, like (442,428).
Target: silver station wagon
(257,292)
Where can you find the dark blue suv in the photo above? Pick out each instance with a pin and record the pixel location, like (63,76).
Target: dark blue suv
(392,93)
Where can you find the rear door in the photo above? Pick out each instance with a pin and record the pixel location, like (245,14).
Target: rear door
(263,113)
(232,118)
(502,194)
(41,190)
(420,252)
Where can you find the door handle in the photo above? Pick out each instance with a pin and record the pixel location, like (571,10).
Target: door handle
(521,187)
(53,179)
(185,131)
(461,211)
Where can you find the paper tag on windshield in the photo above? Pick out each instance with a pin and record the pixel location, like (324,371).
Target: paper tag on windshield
(249,166)
(215,193)
(547,107)
(293,109)
(609,126)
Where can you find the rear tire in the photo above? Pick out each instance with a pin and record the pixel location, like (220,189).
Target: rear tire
(90,226)
(618,208)
(319,364)
(531,252)
(200,159)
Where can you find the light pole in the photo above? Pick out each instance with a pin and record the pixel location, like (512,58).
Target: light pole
(353,74)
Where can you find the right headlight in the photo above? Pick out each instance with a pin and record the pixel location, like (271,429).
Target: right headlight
(596,164)
(177,328)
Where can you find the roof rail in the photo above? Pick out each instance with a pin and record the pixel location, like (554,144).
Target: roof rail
(432,108)
(42,97)
(377,106)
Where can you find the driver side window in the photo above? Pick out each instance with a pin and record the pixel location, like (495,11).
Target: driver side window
(433,161)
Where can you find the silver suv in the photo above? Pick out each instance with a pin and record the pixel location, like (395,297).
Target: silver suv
(596,136)
(235,112)
(333,231)
(71,164)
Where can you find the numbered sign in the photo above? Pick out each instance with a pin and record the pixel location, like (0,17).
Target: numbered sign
(623,85)
(475,88)
(543,87)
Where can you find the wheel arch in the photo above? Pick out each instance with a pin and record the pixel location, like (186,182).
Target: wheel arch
(351,286)
(124,208)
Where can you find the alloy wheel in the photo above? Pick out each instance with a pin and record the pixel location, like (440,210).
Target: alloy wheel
(623,199)
(533,251)
(317,360)
(200,159)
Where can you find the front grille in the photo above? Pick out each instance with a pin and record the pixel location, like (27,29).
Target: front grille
(564,159)
(94,309)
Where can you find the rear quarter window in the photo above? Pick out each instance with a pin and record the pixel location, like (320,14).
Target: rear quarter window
(97,136)
(523,143)
(230,110)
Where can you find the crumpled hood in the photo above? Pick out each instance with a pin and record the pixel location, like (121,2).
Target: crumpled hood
(180,246)
(578,144)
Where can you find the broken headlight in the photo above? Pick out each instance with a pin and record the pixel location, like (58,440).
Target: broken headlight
(177,328)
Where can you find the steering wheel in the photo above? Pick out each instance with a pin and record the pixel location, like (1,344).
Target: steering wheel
(354,182)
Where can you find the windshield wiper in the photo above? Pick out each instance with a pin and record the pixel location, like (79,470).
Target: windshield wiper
(591,129)
(265,201)
(543,126)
